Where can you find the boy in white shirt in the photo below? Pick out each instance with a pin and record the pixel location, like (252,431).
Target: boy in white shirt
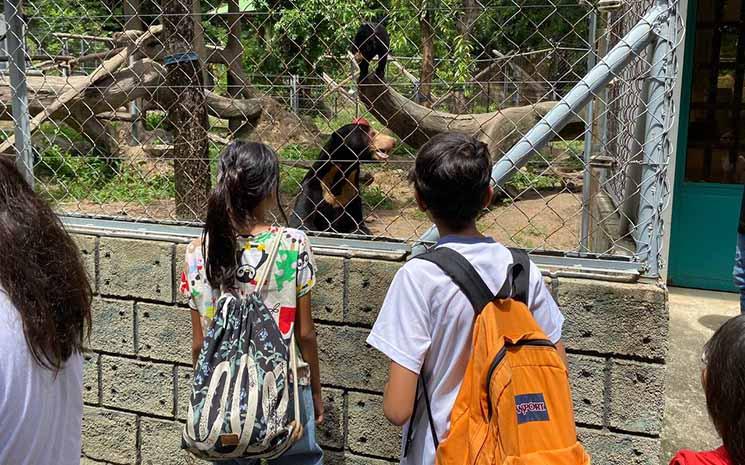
(425,323)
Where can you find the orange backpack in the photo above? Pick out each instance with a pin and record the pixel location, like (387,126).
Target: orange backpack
(514,406)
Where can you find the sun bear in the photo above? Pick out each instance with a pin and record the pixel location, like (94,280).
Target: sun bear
(371,41)
(329,199)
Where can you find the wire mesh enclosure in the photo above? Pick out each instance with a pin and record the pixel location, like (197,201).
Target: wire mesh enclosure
(130,103)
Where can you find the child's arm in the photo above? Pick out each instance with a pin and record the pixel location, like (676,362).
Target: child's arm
(545,311)
(561,349)
(305,334)
(400,393)
(196,336)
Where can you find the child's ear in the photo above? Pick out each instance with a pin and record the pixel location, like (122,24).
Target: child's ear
(703,378)
(488,197)
(419,202)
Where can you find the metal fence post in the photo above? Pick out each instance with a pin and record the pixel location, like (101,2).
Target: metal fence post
(653,191)
(294,94)
(19,96)
(591,62)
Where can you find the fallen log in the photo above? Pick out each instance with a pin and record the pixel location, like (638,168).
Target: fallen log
(105,69)
(416,124)
(140,80)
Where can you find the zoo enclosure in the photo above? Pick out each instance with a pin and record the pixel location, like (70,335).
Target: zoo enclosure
(119,109)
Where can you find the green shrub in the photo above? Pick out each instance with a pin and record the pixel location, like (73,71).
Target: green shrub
(376,198)
(523,180)
(155,120)
(69,177)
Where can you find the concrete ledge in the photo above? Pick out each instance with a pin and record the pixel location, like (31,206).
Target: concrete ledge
(137,376)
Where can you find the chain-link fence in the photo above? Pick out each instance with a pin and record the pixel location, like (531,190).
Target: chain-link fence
(131,101)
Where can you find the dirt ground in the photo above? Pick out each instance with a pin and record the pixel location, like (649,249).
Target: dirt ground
(545,220)
(550,223)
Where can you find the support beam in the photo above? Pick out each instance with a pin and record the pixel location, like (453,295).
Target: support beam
(17,50)
(654,190)
(557,118)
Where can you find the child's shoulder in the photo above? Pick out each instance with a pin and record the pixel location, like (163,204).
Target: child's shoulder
(292,233)
(195,246)
(293,238)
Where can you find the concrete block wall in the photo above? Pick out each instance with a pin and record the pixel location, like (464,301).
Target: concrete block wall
(137,373)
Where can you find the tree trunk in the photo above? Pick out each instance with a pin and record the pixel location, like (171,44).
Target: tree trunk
(187,112)
(133,22)
(426,28)
(237,80)
(145,79)
(198,41)
(464,25)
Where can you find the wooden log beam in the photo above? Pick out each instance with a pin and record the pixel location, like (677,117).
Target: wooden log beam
(105,69)
(142,79)
(416,124)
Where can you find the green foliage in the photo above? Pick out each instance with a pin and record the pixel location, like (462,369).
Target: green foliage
(529,237)
(54,130)
(574,151)
(291,36)
(376,198)
(73,177)
(507,25)
(155,120)
(455,51)
(290,179)
(91,17)
(523,180)
(298,152)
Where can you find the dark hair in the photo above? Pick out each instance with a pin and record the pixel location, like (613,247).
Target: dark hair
(452,174)
(724,385)
(248,173)
(42,272)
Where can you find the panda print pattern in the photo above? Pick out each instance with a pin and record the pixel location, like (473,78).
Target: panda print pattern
(292,276)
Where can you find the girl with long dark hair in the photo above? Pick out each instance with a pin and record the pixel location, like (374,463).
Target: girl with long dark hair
(234,251)
(723,379)
(45,302)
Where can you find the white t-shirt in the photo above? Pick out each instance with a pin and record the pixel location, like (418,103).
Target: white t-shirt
(427,320)
(40,414)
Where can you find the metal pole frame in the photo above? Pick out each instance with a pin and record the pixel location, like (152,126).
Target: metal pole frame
(584,235)
(19,91)
(654,191)
(654,24)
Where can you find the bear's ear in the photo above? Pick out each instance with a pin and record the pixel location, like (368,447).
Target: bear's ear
(332,146)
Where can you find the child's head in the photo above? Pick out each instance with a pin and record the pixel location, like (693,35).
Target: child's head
(724,385)
(451,177)
(247,185)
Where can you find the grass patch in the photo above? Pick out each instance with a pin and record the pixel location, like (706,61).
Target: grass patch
(574,150)
(52,131)
(290,179)
(298,152)
(530,237)
(376,198)
(73,177)
(155,120)
(523,180)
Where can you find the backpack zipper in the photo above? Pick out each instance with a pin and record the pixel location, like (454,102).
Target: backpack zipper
(502,354)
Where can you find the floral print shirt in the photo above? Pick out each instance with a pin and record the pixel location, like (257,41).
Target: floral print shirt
(292,276)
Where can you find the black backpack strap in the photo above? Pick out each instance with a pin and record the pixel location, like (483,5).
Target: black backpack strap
(463,274)
(410,435)
(517,283)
